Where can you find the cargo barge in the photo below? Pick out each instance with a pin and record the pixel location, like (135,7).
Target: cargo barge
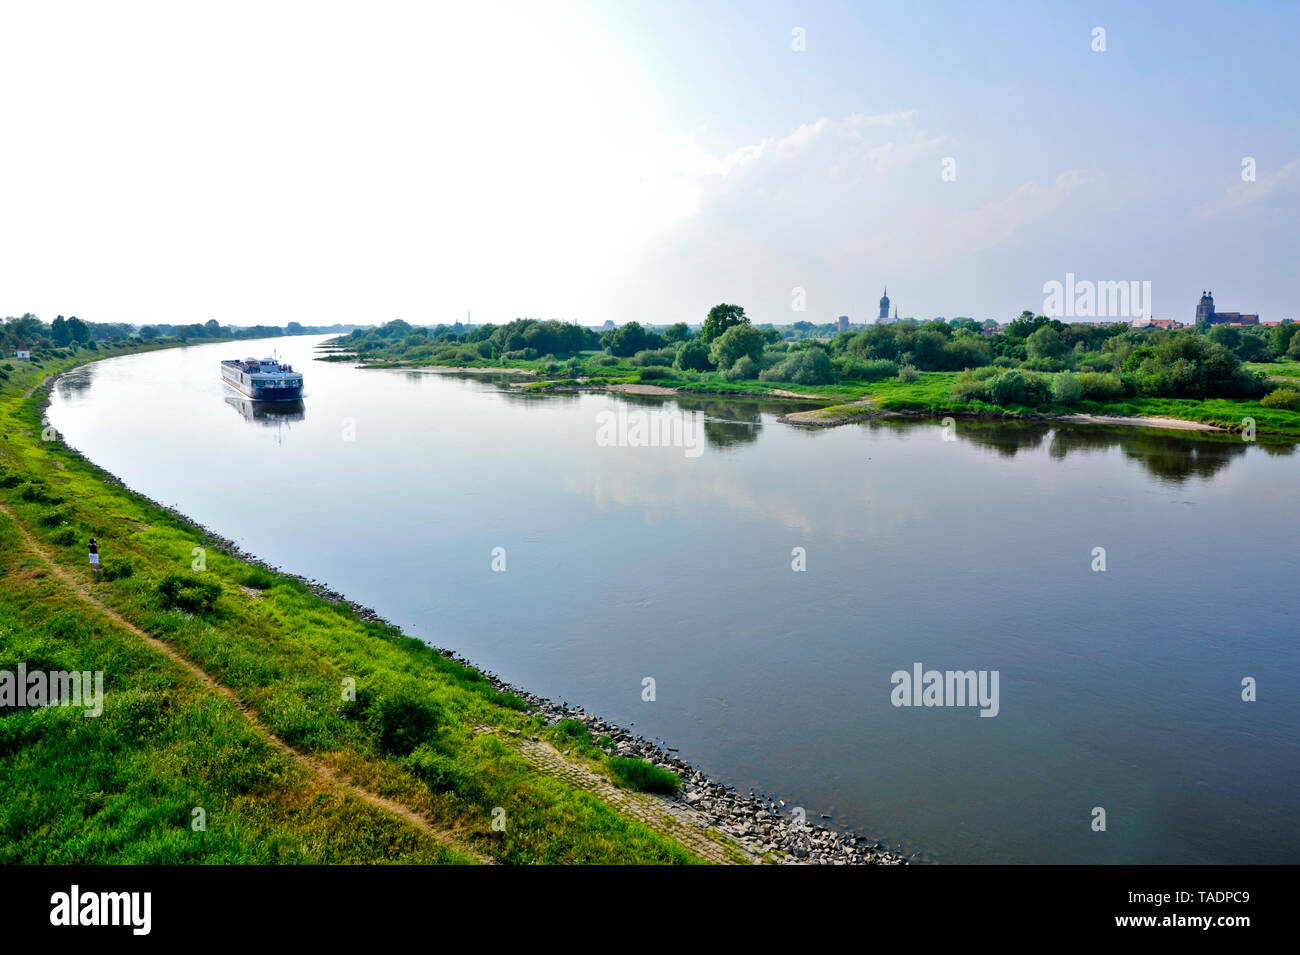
(263,379)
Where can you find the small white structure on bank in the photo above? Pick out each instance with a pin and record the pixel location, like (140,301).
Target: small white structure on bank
(23,354)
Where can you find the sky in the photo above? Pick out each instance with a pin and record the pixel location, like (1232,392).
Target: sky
(360,162)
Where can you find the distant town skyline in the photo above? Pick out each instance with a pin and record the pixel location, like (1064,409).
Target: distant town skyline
(603,161)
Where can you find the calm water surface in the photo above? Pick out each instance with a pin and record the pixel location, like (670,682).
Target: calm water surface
(1119,689)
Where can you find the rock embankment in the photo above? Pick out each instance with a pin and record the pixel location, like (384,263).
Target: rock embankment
(764,826)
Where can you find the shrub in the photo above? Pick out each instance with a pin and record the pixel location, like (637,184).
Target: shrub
(744,368)
(119,569)
(1097,387)
(64,537)
(809,366)
(655,372)
(403,722)
(1014,387)
(972,384)
(1096,361)
(870,369)
(638,774)
(35,493)
(605,361)
(9,479)
(1066,388)
(692,356)
(1287,398)
(442,774)
(908,374)
(55,516)
(189,593)
(572,731)
(654,356)
(1045,364)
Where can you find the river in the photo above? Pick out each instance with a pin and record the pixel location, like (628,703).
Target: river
(1118,689)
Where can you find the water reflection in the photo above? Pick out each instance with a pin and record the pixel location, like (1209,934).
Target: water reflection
(75,383)
(276,414)
(1173,456)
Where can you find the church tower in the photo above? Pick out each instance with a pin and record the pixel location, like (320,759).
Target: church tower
(1205,310)
(884,307)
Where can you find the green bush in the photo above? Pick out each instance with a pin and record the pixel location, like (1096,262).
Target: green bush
(64,537)
(908,374)
(1066,389)
(605,361)
(1098,387)
(571,731)
(36,493)
(1014,387)
(8,479)
(1048,364)
(655,372)
(640,775)
(744,369)
(972,384)
(692,356)
(119,569)
(807,366)
(402,722)
(846,367)
(188,592)
(1286,398)
(442,774)
(55,516)
(654,356)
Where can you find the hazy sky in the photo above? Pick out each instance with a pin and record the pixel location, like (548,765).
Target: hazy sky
(358,162)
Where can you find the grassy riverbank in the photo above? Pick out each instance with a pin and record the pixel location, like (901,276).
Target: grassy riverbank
(226,692)
(929,394)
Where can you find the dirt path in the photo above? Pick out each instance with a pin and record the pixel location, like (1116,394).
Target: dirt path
(672,819)
(311,763)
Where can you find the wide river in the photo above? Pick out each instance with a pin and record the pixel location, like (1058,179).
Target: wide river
(1119,689)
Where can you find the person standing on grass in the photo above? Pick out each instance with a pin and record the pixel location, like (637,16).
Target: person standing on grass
(94,557)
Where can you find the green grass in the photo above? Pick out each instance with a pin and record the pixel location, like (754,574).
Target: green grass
(422,729)
(641,775)
(931,395)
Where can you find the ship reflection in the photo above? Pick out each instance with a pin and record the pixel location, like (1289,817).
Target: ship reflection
(277,414)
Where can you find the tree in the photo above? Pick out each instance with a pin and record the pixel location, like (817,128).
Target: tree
(149,332)
(211,328)
(59,333)
(678,332)
(721,318)
(735,343)
(692,356)
(1282,337)
(1046,342)
(626,340)
(79,330)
